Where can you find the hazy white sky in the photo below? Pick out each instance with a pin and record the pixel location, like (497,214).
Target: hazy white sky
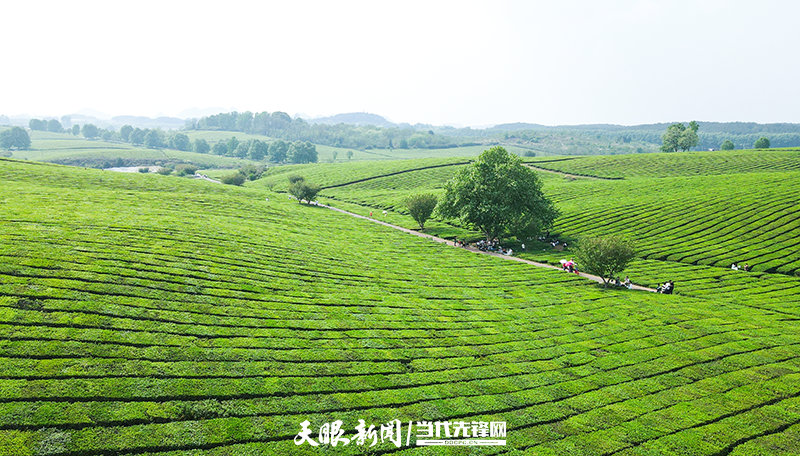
(457,62)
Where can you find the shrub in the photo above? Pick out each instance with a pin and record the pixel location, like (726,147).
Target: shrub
(144,170)
(186,170)
(302,190)
(164,171)
(252,172)
(236,178)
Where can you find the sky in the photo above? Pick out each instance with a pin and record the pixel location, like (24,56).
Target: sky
(465,63)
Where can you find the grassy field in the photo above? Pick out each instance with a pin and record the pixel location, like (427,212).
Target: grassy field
(75,150)
(67,149)
(143,314)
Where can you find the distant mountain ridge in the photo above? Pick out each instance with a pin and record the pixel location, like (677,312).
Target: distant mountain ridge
(354,118)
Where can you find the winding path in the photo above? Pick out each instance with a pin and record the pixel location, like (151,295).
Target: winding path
(470,248)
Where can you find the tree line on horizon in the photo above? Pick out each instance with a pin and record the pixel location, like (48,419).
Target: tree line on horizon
(281,125)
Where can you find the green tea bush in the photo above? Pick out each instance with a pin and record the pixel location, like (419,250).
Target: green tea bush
(236,178)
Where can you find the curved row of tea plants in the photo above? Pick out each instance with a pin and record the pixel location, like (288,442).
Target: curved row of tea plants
(658,165)
(709,220)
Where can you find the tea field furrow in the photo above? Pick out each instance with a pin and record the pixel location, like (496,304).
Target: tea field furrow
(612,413)
(192,389)
(613,401)
(783,440)
(762,419)
(649,402)
(145,338)
(784,224)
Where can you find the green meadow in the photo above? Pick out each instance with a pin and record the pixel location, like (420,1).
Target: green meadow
(65,148)
(153,315)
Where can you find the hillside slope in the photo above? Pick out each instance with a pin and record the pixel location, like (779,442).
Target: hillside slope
(144,314)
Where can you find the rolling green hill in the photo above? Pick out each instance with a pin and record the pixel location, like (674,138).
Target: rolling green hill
(145,314)
(688,228)
(66,149)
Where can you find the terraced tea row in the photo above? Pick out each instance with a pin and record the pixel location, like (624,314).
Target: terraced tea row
(148,315)
(678,164)
(746,218)
(329,175)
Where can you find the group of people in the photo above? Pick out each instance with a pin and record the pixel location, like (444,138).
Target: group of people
(627,283)
(667,288)
(554,243)
(744,268)
(488,246)
(460,243)
(493,246)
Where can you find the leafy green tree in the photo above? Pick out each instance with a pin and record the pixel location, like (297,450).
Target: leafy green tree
(153,139)
(278,150)
(232,144)
(761,143)
(242,149)
(180,141)
(727,145)
(201,146)
(280,120)
(304,191)
(302,152)
(137,136)
(15,138)
(335,154)
(220,148)
(125,132)
(678,137)
(252,172)
(498,195)
(54,126)
(421,207)
(76,129)
(258,150)
(349,154)
(37,125)
(90,131)
(604,256)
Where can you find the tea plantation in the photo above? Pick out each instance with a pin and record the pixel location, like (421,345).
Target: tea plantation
(688,228)
(151,315)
